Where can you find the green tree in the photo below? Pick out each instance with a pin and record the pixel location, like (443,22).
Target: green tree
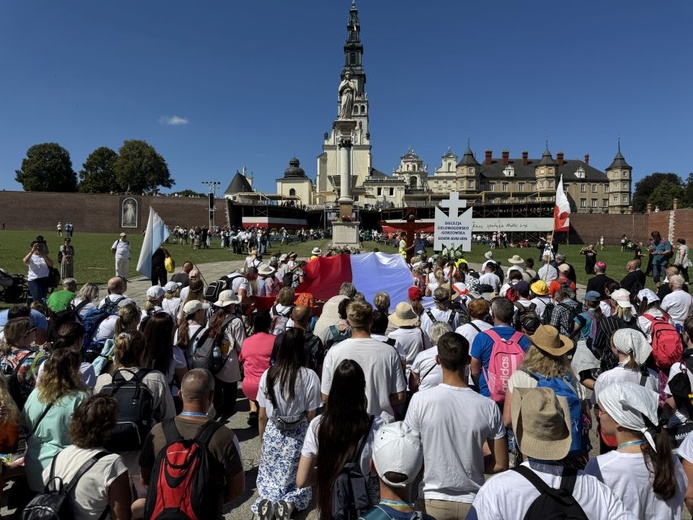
(139,168)
(664,194)
(47,167)
(687,201)
(98,172)
(187,193)
(646,186)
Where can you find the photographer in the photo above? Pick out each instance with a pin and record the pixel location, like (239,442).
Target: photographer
(39,269)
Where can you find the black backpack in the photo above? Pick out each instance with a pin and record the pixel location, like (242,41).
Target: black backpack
(205,349)
(135,410)
(552,503)
(350,497)
(433,319)
(181,484)
(55,503)
(213,290)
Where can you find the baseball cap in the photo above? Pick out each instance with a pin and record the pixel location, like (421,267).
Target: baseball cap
(123,234)
(564,268)
(621,297)
(397,449)
(592,296)
(155,292)
(172,286)
(192,307)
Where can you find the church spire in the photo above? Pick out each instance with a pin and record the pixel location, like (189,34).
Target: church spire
(353,50)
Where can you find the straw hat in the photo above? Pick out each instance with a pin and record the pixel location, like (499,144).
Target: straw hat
(547,339)
(265,270)
(316,251)
(404,315)
(541,422)
(516,260)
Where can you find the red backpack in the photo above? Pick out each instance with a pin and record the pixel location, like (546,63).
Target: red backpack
(181,486)
(667,346)
(506,357)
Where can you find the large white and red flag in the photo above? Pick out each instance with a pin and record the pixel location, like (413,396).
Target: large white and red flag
(561,211)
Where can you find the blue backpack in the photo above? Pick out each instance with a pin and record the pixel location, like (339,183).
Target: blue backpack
(91,321)
(564,387)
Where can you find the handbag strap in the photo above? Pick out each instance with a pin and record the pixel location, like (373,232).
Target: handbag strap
(43,414)
(362,443)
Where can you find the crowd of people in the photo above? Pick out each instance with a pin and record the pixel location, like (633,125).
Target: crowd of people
(380,409)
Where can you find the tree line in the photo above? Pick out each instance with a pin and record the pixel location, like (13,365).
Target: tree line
(660,189)
(135,168)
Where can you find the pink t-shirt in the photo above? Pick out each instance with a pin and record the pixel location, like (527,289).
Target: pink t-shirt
(255,357)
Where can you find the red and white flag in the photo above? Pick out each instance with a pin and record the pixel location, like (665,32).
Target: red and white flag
(561,211)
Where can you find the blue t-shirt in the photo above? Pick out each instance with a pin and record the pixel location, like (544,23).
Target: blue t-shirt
(482,346)
(37,319)
(662,247)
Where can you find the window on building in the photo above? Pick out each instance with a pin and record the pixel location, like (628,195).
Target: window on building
(532,186)
(505,186)
(594,203)
(471,184)
(605,203)
(392,192)
(471,171)
(624,199)
(509,171)
(380,192)
(580,173)
(594,188)
(550,184)
(292,192)
(615,198)
(625,173)
(624,185)
(520,186)
(541,185)
(583,188)
(606,188)
(583,203)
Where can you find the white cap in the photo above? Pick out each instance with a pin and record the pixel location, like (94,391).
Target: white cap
(621,297)
(227,298)
(155,292)
(172,286)
(193,306)
(397,449)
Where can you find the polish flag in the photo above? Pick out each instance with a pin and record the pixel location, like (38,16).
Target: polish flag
(369,272)
(561,211)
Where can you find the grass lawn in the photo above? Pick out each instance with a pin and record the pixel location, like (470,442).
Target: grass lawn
(94,260)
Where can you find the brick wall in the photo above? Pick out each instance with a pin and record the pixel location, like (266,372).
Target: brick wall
(586,228)
(98,213)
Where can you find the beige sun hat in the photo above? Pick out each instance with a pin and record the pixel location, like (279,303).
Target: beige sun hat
(516,260)
(404,315)
(541,422)
(547,339)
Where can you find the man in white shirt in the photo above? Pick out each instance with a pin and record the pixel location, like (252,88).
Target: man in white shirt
(452,476)
(547,272)
(541,422)
(677,303)
(385,384)
(489,277)
(121,251)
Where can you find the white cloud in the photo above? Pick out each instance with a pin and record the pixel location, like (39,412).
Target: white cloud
(173,121)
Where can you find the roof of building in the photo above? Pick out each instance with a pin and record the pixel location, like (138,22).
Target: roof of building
(619,161)
(547,159)
(239,184)
(468,158)
(496,170)
(294,170)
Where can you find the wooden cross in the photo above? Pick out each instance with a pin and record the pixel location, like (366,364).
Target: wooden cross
(410,227)
(454,204)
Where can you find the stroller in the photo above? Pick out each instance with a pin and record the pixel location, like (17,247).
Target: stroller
(13,287)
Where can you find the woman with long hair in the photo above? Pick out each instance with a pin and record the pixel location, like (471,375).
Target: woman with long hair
(85,298)
(160,352)
(288,397)
(70,335)
(333,438)
(48,412)
(255,357)
(127,320)
(128,361)
(17,357)
(227,321)
(193,292)
(642,471)
(190,327)
(105,487)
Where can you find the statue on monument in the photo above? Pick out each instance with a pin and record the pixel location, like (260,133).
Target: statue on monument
(347,91)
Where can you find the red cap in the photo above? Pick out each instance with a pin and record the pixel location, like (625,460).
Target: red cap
(415,293)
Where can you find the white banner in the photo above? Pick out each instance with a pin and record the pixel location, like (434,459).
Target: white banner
(541,224)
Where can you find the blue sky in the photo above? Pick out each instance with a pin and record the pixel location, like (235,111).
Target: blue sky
(254,82)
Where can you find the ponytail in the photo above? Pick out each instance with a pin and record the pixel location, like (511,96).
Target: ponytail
(659,462)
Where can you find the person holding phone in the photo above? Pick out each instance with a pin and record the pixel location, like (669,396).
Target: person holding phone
(39,264)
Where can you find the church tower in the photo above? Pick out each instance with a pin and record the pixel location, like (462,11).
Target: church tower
(327,182)
(619,175)
(546,174)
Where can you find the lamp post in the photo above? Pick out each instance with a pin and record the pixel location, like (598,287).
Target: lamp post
(212,192)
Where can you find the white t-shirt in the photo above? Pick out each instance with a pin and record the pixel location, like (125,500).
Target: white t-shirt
(677,304)
(85,309)
(307,397)
(155,381)
(521,379)
(680,415)
(451,473)
(86,372)
(122,248)
(490,279)
(381,366)
(430,373)
(547,272)
(469,332)
(606,308)
(645,324)
(541,302)
(508,496)
(310,443)
(685,451)
(90,495)
(620,374)
(409,342)
(171,306)
(38,267)
(628,477)
(106,328)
